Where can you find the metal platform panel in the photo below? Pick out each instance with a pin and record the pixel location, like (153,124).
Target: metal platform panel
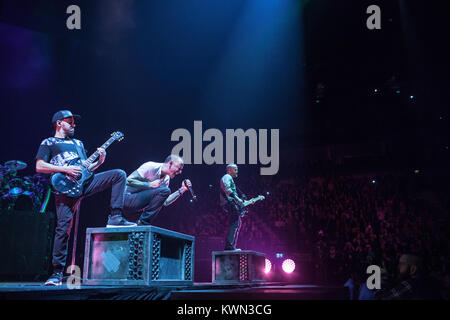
(238,266)
(143,255)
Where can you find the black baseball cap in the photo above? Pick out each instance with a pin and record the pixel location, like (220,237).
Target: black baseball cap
(63,114)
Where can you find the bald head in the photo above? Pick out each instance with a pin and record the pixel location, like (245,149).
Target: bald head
(174,158)
(232,170)
(173,165)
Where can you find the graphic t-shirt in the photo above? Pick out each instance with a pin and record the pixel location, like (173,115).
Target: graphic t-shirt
(60,152)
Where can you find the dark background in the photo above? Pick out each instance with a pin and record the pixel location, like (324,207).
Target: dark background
(147,68)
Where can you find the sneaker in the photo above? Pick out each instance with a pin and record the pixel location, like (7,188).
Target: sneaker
(232,249)
(119,221)
(141,224)
(54,280)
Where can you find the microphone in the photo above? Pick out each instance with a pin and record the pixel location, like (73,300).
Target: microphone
(194,197)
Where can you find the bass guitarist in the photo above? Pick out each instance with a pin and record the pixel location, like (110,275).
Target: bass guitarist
(233,205)
(53,156)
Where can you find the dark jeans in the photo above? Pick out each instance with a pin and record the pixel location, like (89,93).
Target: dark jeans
(66,208)
(149,202)
(234,219)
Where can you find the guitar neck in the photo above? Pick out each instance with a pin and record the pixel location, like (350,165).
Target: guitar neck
(251,201)
(95,155)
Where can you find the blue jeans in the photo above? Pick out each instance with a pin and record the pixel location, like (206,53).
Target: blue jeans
(148,202)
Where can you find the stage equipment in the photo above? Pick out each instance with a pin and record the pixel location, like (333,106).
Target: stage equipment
(194,197)
(233,266)
(21,193)
(74,187)
(288,266)
(15,165)
(26,240)
(143,255)
(268,266)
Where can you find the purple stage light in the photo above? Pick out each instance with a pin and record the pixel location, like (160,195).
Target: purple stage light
(288,266)
(268,266)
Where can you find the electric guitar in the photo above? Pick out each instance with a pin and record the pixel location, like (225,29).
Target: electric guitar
(242,208)
(73,187)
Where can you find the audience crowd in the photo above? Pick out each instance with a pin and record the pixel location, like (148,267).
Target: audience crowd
(345,222)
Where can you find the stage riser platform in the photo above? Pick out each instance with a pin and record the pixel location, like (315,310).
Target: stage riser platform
(137,256)
(234,267)
(207,291)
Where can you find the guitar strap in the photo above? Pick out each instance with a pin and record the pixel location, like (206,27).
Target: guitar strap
(79,151)
(229,202)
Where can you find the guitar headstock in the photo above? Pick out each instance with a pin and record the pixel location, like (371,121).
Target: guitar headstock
(258,198)
(117,135)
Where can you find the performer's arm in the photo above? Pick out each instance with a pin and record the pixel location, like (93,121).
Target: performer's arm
(235,196)
(229,191)
(101,159)
(175,195)
(45,167)
(137,181)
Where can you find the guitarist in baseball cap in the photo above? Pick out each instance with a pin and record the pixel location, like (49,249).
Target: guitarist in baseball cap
(56,155)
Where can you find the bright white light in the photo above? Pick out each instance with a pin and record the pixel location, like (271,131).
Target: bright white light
(288,266)
(268,266)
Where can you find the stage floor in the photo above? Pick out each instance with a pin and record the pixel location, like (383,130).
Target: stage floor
(197,291)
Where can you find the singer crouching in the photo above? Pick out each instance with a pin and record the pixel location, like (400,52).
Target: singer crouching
(147,189)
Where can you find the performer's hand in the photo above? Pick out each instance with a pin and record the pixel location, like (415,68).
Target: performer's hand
(101,154)
(73,171)
(154,184)
(186,184)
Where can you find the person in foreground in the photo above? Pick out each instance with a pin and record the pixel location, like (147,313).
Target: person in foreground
(56,155)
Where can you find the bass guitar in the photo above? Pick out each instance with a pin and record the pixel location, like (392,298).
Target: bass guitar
(242,208)
(73,187)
